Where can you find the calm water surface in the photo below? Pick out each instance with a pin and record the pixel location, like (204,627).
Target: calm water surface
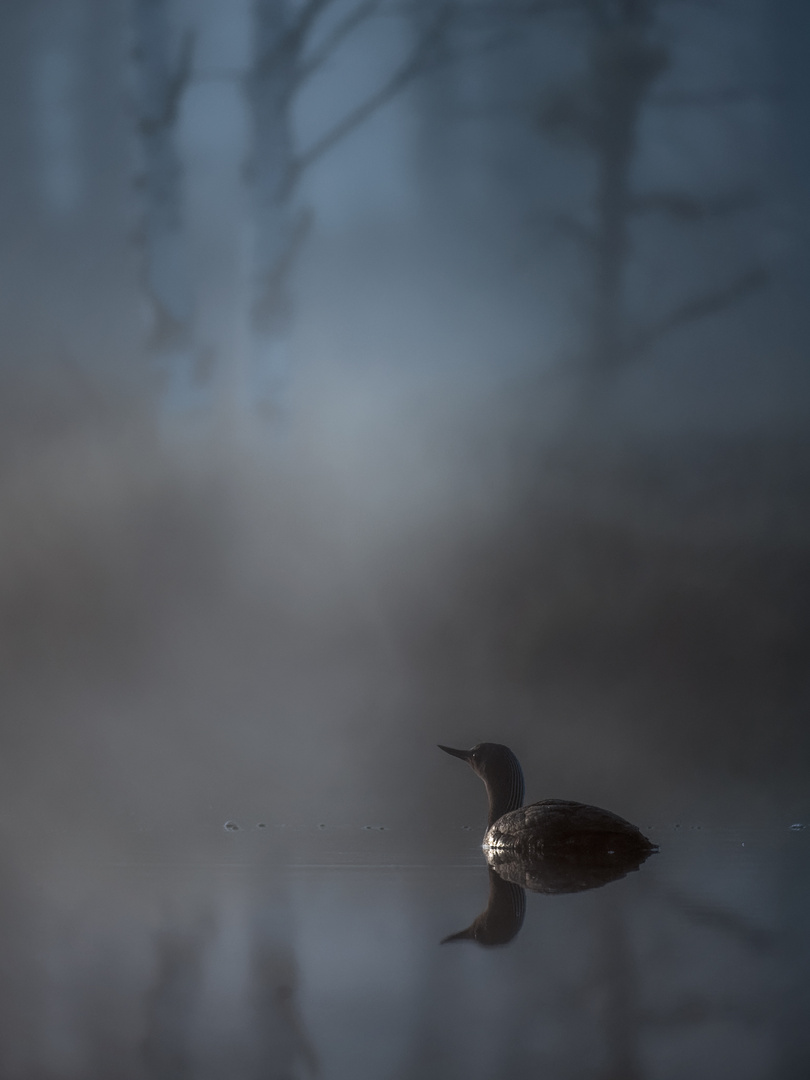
(283,952)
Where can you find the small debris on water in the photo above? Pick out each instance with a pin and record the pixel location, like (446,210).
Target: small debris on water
(231,826)
(260,825)
(321,825)
(797,827)
(376,828)
(466,828)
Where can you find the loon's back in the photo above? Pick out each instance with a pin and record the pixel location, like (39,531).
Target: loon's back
(561,825)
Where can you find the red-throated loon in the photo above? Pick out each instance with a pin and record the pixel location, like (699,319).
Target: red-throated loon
(552,825)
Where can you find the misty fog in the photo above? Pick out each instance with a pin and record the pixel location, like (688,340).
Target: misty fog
(378,375)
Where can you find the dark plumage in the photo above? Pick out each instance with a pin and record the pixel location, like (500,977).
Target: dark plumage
(501,919)
(549,826)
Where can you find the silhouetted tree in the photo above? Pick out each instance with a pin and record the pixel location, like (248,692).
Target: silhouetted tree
(291,45)
(163,67)
(602,111)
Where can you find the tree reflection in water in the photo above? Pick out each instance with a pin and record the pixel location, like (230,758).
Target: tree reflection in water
(158,970)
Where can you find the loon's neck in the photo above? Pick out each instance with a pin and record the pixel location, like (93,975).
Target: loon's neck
(505,791)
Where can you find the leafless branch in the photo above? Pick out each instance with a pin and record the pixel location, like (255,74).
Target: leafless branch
(271,301)
(292,38)
(536,8)
(166,331)
(176,83)
(696,1009)
(706,913)
(469,8)
(574,228)
(354,18)
(704,5)
(710,98)
(421,59)
(597,13)
(684,207)
(231,75)
(181,76)
(698,308)
(727,7)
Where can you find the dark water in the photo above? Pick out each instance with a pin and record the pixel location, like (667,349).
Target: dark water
(296,952)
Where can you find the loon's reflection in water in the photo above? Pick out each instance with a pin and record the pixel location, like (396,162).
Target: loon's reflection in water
(501,919)
(510,875)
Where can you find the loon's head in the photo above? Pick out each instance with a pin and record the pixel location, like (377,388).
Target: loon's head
(490,760)
(501,772)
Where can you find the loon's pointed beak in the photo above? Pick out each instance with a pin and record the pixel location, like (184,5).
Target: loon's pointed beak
(462,935)
(463,754)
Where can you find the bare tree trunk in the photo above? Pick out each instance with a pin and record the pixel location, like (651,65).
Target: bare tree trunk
(440,160)
(623,65)
(279,230)
(603,111)
(163,71)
